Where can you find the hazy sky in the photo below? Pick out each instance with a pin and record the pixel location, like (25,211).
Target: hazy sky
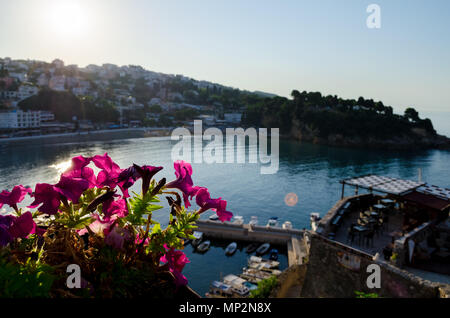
(273,46)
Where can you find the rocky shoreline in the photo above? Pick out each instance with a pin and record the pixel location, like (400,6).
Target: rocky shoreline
(417,139)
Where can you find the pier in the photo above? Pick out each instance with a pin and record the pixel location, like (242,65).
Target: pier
(292,238)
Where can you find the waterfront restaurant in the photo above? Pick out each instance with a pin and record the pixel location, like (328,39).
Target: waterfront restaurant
(405,222)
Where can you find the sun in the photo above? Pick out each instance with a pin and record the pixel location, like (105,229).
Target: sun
(67,18)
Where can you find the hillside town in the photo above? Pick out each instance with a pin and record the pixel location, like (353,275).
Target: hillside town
(37,97)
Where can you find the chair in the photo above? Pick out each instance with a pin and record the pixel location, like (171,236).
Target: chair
(351,235)
(369,238)
(386,222)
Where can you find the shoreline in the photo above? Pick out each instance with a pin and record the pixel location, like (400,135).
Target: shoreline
(96,135)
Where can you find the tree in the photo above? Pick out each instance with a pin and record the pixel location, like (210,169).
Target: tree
(411,114)
(295,94)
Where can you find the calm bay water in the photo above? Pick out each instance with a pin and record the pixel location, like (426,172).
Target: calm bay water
(310,171)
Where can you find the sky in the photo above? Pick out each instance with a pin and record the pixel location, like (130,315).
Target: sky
(272,46)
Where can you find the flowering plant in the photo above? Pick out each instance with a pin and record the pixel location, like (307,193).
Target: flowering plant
(85,220)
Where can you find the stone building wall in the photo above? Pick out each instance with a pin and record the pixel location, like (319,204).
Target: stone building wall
(336,270)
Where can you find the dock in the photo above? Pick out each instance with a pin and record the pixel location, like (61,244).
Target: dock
(292,238)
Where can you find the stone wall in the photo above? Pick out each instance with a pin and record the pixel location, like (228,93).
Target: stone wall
(290,282)
(336,270)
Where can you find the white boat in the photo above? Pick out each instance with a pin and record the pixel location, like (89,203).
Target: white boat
(253,220)
(238,220)
(231,248)
(273,222)
(237,284)
(198,238)
(219,288)
(214,217)
(203,247)
(266,262)
(262,249)
(287,225)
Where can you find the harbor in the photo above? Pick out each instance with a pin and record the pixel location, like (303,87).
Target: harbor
(291,238)
(262,241)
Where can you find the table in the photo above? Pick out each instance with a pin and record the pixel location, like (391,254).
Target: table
(387,201)
(380,206)
(360,228)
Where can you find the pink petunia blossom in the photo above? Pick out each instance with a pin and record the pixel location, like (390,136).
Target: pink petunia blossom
(99,226)
(115,207)
(117,237)
(5,223)
(22,226)
(204,201)
(176,261)
(71,188)
(16,195)
(183,172)
(48,196)
(110,171)
(84,173)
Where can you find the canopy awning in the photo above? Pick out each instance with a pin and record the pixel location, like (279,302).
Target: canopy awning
(384,184)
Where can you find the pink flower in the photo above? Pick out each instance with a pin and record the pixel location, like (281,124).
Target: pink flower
(99,226)
(176,261)
(72,188)
(129,176)
(117,208)
(109,173)
(183,172)
(80,162)
(204,201)
(22,226)
(48,196)
(146,173)
(16,195)
(117,237)
(5,223)
(84,173)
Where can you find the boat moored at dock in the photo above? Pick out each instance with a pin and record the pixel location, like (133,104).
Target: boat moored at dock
(262,249)
(231,249)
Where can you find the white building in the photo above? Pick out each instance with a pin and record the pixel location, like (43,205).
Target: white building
(21,76)
(58,63)
(18,119)
(26,90)
(8,94)
(42,80)
(57,83)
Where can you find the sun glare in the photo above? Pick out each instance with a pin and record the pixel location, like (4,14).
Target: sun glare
(61,167)
(67,18)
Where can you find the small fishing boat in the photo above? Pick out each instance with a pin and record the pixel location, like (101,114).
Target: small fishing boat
(239,220)
(251,247)
(220,288)
(198,238)
(262,249)
(253,220)
(203,247)
(254,262)
(287,225)
(273,254)
(231,249)
(214,217)
(273,222)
